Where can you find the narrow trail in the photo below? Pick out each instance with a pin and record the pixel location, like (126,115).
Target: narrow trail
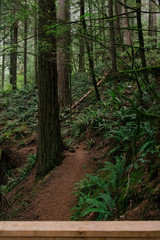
(55,199)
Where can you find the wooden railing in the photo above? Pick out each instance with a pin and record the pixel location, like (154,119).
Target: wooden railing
(149,230)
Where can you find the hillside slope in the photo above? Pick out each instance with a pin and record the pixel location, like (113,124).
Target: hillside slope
(116,141)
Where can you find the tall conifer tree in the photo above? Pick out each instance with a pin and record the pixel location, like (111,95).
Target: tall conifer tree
(50,146)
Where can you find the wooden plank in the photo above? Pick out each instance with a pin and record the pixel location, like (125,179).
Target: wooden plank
(46,238)
(27,238)
(80,238)
(108,238)
(125,229)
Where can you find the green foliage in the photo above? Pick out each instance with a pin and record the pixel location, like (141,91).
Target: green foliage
(15,178)
(90,143)
(80,85)
(31,160)
(133,133)
(97,194)
(19,113)
(79,126)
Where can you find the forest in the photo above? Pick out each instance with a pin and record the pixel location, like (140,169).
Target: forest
(79,110)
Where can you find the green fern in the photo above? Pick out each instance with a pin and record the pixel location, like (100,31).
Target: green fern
(97,193)
(23,173)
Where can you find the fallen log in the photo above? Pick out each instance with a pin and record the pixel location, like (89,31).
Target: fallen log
(151,69)
(82,98)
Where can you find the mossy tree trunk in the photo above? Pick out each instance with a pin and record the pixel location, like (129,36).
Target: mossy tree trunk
(50,146)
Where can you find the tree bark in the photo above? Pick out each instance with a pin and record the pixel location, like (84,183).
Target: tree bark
(3,63)
(104,32)
(50,146)
(64,59)
(90,59)
(119,33)
(81,48)
(152,22)
(13,57)
(25,48)
(35,46)
(81,53)
(126,24)
(13,53)
(4,55)
(112,36)
(141,39)
(90,23)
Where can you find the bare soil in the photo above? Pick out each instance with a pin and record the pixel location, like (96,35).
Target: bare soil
(55,199)
(52,198)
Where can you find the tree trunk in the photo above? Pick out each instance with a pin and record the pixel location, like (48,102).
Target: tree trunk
(90,59)
(81,48)
(104,32)
(13,53)
(35,47)
(50,146)
(140,38)
(63,60)
(3,56)
(112,36)
(13,57)
(25,49)
(152,22)
(126,24)
(119,33)
(3,63)
(81,53)
(90,24)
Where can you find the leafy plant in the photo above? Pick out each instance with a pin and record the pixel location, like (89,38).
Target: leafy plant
(19,113)
(14,180)
(97,193)
(90,143)
(31,160)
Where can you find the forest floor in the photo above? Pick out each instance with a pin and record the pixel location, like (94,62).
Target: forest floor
(51,198)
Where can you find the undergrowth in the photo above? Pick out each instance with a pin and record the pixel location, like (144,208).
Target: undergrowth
(19,112)
(123,116)
(132,125)
(97,194)
(16,176)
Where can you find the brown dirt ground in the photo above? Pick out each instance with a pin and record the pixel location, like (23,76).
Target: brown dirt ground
(52,198)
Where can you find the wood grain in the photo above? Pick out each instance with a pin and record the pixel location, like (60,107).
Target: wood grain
(47,230)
